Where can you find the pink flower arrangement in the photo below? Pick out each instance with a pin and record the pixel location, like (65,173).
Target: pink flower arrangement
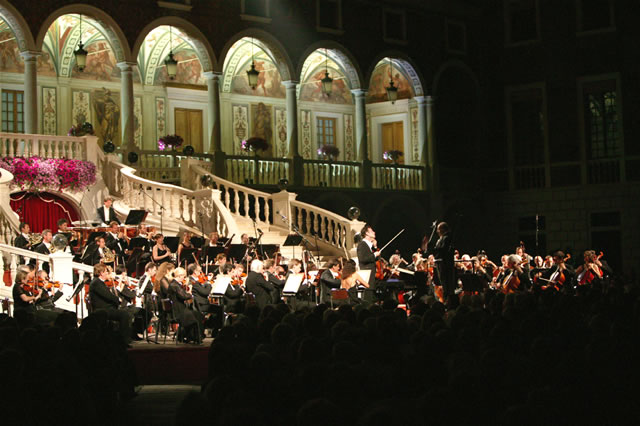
(50,174)
(254,144)
(168,142)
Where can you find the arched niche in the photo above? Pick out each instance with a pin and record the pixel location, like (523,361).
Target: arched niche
(338,66)
(16,22)
(400,68)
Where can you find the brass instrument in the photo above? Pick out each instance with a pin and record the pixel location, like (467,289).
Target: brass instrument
(35,239)
(109,255)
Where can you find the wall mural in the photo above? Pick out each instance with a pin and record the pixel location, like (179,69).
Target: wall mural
(349,152)
(101,63)
(305,125)
(45,66)
(368,138)
(106,109)
(161,118)
(240,124)
(80,107)
(281,132)
(10,59)
(380,80)
(137,121)
(269,81)
(189,70)
(262,123)
(415,143)
(312,88)
(49,111)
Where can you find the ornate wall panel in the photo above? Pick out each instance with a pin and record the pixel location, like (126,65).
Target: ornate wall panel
(49,111)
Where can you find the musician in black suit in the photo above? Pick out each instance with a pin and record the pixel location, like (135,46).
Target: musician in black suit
(116,241)
(23,239)
(442,251)
(257,285)
(45,247)
(96,252)
(103,299)
(557,276)
(277,283)
(182,300)
(63,229)
(329,280)
(233,302)
(106,213)
(367,258)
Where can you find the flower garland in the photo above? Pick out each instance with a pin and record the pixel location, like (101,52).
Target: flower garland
(49,174)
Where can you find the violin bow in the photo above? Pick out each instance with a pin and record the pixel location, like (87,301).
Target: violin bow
(390,241)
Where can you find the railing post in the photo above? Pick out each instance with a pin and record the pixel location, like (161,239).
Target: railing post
(298,171)
(91,149)
(62,267)
(220,164)
(366,177)
(282,207)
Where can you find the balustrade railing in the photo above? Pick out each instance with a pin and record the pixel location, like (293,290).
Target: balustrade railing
(47,146)
(256,171)
(334,174)
(322,224)
(8,218)
(397,177)
(172,203)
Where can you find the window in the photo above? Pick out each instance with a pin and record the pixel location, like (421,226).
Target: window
(600,106)
(521,20)
(13,111)
(256,10)
(456,37)
(595,15)
(329,15)
(326,131)
(527,126)
(532,232)
(394,26)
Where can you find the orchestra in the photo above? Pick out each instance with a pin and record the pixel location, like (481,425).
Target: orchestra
(134,270)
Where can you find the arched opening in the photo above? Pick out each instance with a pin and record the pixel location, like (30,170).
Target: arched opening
(42,210)
(330,104)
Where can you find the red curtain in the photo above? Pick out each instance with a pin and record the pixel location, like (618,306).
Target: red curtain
(42,210)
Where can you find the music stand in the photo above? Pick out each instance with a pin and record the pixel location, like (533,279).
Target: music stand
(269,249)
(186,254)
(172,243)
(223,240)
(197,242)
(93,235)
(292,240)
(136,217)
(292,285)
(220,286)
(237,252)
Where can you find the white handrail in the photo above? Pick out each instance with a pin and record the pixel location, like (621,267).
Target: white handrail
(9,220)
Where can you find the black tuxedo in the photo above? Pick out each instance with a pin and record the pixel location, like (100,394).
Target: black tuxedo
(187,318)
(327,282)
(442,251)
(568,273)
(233,298)
(261,289)
(21,242)
(200,295)
(366,258)
(42,249)
(112,215)
(278,285)
(103,299)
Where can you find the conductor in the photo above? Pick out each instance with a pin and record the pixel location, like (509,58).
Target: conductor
(367,256)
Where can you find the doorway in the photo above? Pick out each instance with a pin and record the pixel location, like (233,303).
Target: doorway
(189,126)
(393,139)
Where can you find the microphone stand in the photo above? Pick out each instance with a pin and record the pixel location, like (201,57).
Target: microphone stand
(143,192)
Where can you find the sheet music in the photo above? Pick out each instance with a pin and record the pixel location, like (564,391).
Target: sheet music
(293,284)
(365,274)
(220,285)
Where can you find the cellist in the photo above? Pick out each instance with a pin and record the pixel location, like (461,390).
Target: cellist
(515,277)
(555,277)
(592,269)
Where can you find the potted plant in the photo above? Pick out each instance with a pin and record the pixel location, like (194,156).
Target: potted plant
(83,129)
(392,155)
(330,152)
(170,142)
(254,144)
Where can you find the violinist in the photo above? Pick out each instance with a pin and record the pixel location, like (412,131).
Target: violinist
(163,278)
(145,290)
(277,283)
(160,253)
(415,259)
(26,297)
(368,254)
(258,285)
(233,294)
(44,286)
(200,288)
(330,279)
(103,299)
(182,299)
(555,277)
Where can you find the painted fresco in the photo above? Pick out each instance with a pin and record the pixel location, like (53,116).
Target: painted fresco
(415,144)
(189,70)
(240,126)
(305,125)
(80,107)
(106,109)
(312,88)
(269,82)
(101,63)
(380,80)
(161,118)
(262,123)
(10,59)
(45,65)
(281,132)
(49,111)
(137,121)
(349,152)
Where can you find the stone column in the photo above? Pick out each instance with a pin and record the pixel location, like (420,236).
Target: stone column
(30,92)
(126,108)
(429,148)
(292,119)
(361,124)
(213,111)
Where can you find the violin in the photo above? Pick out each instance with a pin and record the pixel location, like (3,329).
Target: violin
(511,283)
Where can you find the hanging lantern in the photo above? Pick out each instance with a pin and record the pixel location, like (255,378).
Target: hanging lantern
(252,75)
(80,53)
(327,82)
(172,66)
(392,92)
